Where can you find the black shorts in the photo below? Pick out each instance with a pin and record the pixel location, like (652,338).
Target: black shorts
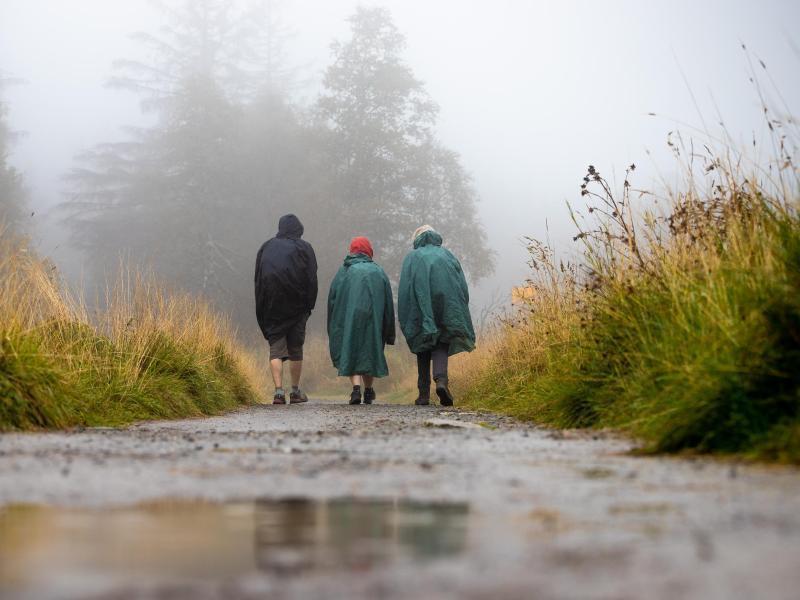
(289,346)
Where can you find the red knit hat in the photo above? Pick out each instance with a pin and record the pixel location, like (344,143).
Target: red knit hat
(361,245)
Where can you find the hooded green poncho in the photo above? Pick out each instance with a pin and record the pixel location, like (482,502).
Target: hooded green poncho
(433,299)
(360,318)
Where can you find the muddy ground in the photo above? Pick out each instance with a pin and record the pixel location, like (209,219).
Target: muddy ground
(331,501)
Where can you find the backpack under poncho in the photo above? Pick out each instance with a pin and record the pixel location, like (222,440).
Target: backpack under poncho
(433,299)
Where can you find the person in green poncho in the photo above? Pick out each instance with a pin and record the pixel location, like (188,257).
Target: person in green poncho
(433,306)
(360,320)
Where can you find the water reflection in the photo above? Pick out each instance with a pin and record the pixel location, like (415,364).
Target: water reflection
(356,534)
(56,552)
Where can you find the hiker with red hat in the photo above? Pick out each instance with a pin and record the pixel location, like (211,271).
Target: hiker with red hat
(360,320)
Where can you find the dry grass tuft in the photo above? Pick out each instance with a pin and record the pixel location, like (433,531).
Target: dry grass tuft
(149,353)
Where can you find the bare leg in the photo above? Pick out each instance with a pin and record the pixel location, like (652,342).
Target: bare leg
(296,367)
(276,366)
(368,380)
(355,380)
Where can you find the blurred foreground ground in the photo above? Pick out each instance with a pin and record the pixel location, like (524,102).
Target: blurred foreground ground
(333,501)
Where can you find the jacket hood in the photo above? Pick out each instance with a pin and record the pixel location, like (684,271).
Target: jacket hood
(290,227)
(354,259)
(428,238)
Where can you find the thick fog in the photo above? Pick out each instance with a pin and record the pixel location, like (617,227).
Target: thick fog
(530,93)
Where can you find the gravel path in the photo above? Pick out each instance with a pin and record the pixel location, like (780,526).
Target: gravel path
(549,514)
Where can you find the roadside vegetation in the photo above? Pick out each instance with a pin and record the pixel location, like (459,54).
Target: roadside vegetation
(147,354)
(679,323)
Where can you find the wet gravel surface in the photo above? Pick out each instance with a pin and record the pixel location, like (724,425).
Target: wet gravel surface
(552,514)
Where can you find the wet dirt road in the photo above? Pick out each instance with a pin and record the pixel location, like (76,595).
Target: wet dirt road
(333,501)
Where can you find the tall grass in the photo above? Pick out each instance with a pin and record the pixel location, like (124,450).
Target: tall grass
(680,324)
(147,354)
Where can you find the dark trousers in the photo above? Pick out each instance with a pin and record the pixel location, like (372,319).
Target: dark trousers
(438,356)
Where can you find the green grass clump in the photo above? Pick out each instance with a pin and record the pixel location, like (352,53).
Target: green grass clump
(31,386)
(682,328)
(704,358)
(149,355)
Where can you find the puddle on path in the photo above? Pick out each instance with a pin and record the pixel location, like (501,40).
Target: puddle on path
(45,549)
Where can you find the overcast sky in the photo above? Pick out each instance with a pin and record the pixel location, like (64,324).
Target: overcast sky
(531,92)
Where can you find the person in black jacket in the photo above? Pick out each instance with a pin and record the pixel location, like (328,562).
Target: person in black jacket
(286,293)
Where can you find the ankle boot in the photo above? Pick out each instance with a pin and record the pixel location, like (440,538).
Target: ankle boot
(443,391)
(355,395)
(424,397)
(369,395)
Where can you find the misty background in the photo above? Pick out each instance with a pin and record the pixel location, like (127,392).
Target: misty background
(529,94)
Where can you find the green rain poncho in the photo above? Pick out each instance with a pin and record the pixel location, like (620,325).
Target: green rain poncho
(433,299)
(360,318)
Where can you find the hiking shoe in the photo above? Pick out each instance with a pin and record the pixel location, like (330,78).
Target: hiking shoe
(445,397)
(369,396)
(298,397)
(355,397)
(422,401)
(279,399)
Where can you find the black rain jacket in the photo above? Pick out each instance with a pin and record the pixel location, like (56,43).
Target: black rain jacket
(286,279)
